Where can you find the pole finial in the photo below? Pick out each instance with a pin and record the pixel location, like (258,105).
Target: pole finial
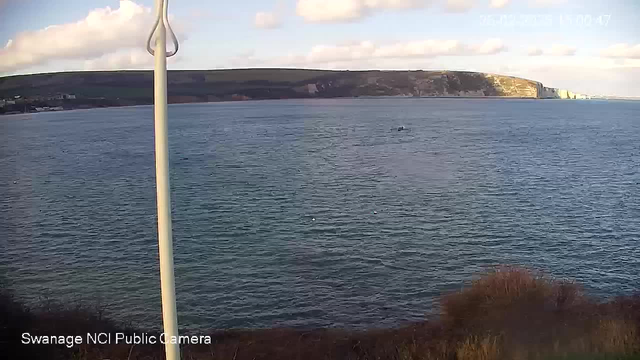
(162,15)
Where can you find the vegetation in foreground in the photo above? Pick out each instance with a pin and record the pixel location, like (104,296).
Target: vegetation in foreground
(509,313)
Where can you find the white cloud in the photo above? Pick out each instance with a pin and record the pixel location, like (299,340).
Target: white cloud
(534,51)
(124,60)
(348,10)
(622,51)
(351,10)
(368,50)
(562,50)
(554,50)
(499,4)
(103,31)
(490,47)
(267,20)
(459,5)
(546,3)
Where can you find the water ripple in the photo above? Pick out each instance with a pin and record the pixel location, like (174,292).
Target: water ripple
(297,213)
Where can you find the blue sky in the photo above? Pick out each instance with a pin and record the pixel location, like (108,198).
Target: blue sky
(584,45)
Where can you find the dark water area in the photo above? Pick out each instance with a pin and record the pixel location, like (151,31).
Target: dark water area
(319,213)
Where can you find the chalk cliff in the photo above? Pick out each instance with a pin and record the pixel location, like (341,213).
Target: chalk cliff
(136,87)
(554,93)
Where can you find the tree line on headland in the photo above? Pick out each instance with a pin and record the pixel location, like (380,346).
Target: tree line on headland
(87,89)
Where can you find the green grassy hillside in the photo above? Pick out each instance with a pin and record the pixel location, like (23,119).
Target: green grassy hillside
(136,87)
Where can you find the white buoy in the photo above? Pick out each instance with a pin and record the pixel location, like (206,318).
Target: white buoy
(313,219)
(165,242)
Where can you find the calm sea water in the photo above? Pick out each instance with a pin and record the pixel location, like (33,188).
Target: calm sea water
(400,216)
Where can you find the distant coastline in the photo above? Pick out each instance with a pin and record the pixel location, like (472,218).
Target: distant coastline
(91,89)
(71,108)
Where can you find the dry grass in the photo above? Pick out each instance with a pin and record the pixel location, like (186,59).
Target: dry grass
(616,336)
(509,313)
(508,289)
(479,348)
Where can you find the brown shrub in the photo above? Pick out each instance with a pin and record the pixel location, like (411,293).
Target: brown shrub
(479,348)
(510,313)
(615,336)
(504,288)
(628,306)
(508,298)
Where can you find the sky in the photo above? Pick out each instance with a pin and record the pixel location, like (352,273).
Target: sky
(587,46)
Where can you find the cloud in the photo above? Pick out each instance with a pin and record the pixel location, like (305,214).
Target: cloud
(622,51)
(126,60)
(349,10)
(562,50)
(499,4)
(546,3)
(534,51)
(103,31)
(267,20)
(459,5)
(554,50)
(352,10)
(489,47)
(368,50)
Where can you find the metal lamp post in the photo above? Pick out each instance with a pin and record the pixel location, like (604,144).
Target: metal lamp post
(165,242)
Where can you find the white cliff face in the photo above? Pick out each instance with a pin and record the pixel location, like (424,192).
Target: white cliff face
(549,93)
(554,93)
(566,94)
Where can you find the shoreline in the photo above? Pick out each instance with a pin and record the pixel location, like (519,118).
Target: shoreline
(115,88)
(314,99)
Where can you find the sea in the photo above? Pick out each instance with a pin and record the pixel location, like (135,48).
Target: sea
(350,213)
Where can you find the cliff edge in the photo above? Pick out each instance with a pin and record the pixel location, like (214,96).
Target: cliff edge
(136,87)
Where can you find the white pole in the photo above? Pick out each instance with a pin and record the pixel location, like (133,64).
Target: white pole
(165,242)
